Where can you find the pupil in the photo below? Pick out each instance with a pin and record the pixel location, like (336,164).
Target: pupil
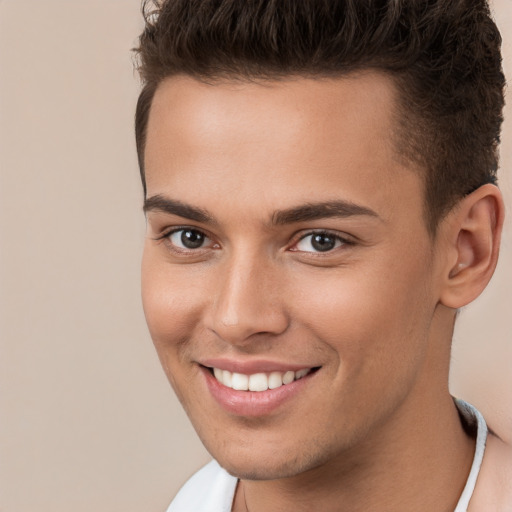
(323,242)
(192,239)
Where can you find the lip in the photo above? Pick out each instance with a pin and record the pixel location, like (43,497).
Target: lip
(253,366)
(253,403)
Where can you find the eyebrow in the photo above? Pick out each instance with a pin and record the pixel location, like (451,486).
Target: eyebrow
(175,207)
(302,213)
(315,211)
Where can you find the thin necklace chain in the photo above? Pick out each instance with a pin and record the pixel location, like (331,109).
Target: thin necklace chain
(245,499)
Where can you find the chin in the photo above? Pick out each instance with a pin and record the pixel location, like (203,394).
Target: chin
(262,471)
(257,465)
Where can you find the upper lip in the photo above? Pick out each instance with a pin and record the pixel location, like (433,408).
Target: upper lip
(253,366)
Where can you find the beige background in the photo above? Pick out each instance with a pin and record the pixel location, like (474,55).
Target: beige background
(88,422)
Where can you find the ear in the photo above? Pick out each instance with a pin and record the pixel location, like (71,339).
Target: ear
(473,232)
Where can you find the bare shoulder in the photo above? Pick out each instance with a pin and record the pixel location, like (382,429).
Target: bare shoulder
(493,492)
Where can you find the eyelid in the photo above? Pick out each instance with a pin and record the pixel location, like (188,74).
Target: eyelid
(344,238)
(165,234)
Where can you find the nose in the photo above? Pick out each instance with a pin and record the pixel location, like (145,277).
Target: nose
(248,301)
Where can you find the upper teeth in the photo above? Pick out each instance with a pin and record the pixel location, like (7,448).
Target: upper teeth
(257,381)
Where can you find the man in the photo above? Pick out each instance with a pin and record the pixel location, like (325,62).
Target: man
(320,195)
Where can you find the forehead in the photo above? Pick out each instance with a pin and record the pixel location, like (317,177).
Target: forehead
(315,139)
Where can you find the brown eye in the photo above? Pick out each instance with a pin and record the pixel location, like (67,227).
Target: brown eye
(188,239)
(323,242)
(319,242)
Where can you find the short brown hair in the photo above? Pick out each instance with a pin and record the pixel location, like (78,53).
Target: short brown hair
(444,56)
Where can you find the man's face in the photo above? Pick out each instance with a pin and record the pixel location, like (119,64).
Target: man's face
(284,234)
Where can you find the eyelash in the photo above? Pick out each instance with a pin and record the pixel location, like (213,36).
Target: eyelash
(340,241)
(165,237)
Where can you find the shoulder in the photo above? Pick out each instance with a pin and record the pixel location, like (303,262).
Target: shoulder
(493,491)
(211,489)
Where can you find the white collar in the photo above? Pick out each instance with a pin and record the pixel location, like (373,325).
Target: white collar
(475,421)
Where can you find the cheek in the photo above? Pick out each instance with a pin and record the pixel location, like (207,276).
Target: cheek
(371,316)
(171,309)
(171,303)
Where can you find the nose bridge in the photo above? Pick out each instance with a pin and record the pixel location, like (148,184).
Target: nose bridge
(247,301)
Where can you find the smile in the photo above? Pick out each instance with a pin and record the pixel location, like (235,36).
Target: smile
(256,388)
(258,381)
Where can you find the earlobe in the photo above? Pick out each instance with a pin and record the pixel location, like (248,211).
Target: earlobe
(474,236)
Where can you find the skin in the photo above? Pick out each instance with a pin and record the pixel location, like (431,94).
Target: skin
(375,313)
(494,486)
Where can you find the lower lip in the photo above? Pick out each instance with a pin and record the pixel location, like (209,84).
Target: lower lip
(253,403)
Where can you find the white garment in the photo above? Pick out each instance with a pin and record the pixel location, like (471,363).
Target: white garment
(212,489)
